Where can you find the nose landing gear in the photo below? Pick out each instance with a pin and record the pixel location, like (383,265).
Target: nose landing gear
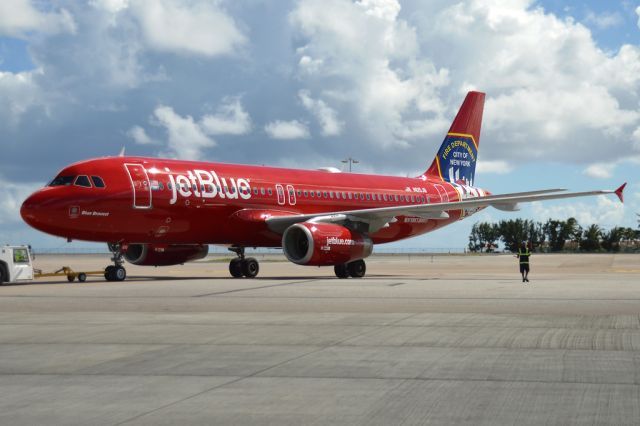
(115,272)
(243,266)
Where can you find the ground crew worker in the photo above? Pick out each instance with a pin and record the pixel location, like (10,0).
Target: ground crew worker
(523,256)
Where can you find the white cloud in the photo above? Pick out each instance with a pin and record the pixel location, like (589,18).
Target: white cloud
(496,167)
(18,93)
(365,52)
(20,17)
(600,171)
(11,197)
(185,138)
(607,211)
(197,27)
(229,119)
(603,20)
(139,136)
(326,116)
(286,130)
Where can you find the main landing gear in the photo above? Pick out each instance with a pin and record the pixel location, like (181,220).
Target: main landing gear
(355,269)
(243,266)
(115,272)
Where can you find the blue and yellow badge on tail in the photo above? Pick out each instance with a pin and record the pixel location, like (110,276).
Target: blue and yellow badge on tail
(456,159)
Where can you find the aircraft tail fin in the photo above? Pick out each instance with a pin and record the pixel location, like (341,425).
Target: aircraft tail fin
(457,156)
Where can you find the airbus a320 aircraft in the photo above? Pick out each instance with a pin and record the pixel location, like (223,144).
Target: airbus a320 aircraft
(154,211)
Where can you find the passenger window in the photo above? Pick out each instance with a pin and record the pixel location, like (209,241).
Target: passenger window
(270,191)
(338,195)
(97,181)
(306,193)
(350,196)
(368,197)
(262,192)
(313,194)
(82,180)
(331,194)
(344,195)
(255,191)
(385,197)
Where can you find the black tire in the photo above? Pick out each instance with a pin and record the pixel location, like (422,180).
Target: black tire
(3,275)
(71,278)
(108,273)
(341,270)
(235,268)
(119,273)
(250,267)
(82,277)
(357,268)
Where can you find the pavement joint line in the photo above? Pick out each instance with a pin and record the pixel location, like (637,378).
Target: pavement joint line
(252,375)
(236,290)
(307,377)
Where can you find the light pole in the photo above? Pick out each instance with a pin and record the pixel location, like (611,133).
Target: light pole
(350,161)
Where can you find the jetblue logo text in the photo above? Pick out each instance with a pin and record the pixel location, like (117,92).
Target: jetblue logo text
(207,184)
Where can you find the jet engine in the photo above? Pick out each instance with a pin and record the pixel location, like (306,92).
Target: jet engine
(323,244)
(164,255)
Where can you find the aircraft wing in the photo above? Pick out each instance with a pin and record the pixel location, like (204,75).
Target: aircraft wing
(379,217)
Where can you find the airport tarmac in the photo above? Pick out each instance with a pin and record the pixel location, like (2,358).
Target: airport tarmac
(445,339)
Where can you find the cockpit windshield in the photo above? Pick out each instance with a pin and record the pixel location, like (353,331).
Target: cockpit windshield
(62,181)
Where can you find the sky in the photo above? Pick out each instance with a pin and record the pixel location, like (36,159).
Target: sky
(308,83)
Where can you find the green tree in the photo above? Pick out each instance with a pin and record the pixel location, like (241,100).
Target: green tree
(474,239)
(591,238)
(611,240)
(483,237)
(558,232)
(513,232)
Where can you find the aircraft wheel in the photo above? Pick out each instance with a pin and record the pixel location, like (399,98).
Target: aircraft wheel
(235,268)
(108,273)
(357,269)
(119,273)
(250,267)
(82,277)
(341,270)
(71,278)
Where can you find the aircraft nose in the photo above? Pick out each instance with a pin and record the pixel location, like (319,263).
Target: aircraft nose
(34,209)
(29,208)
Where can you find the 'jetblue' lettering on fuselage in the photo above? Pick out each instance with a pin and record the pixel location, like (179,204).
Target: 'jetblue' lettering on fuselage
(207,184)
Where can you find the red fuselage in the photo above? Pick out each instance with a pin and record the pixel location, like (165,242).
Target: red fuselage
(161,201)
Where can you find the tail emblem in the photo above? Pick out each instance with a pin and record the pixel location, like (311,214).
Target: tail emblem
(457,157)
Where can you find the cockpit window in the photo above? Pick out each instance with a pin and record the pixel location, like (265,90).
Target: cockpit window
(82,180)
(97,181)
(62,181)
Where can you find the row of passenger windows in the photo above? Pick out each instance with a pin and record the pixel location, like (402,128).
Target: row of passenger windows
(300,193)
(81,180)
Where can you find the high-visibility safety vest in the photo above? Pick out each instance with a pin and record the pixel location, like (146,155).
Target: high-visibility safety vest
(524,255)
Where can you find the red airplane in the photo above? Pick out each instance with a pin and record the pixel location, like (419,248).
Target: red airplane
(154,211)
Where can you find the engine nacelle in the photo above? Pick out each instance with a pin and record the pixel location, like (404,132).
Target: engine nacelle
(323,244)
(159,255)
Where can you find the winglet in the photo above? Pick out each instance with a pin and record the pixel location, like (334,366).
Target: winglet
(618,192)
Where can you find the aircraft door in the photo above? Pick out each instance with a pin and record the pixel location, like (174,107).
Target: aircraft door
(140,184)
(444,197)
(280,192)
(292,195)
